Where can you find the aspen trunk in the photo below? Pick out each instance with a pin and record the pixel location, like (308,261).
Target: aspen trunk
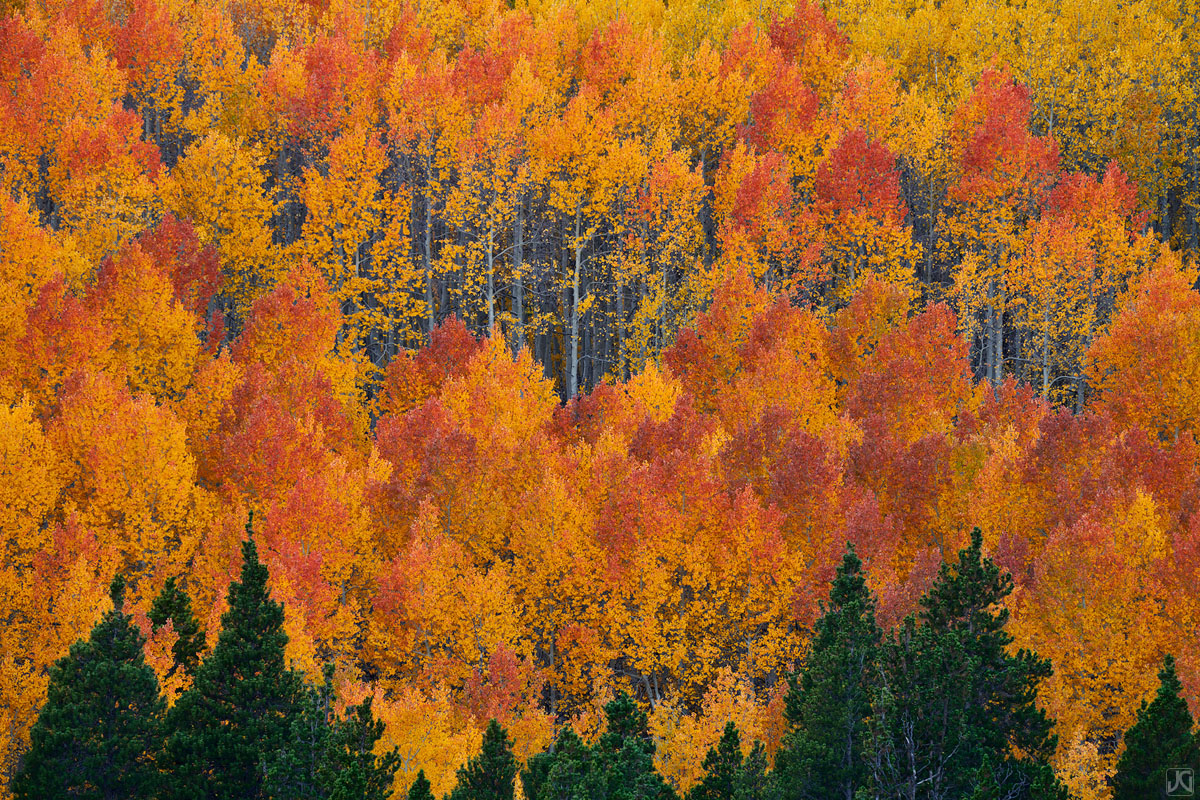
(559,347)
(621,332)
(1080,385)
(428,255)
(1045,353)
(573,385)
(995,342)
(518,265)
(491,282)
(1193,228)
(641,304)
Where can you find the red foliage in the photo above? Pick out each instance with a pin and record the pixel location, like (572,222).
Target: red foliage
(497,691)
(1063,464)
(481,75)
(340,80)
(702,357)
(1010,404)
(298,319)
(304,530)
(62,334)
(611,56)
(119,136)
(678,435)
(279,425)
(872,533)
(908,478)
(755,449)
(147,41)
(1001,158)
(900,596)
(917,378)
(586,416)
(409,380)
(804,477)
(20,49)
(1080,199)
(860,175)
(194,271)
(428,450)
(784,105)
(799,34)
(408,37)
(71,543)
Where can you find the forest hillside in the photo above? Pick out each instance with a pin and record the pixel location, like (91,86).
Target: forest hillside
(560,348)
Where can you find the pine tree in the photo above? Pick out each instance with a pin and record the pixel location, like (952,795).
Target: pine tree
(421,790)
(240,707)
(174,605)
(331,759)
(723,770)
(556,773)
(99,733)
(829,702)
(537,770)
(619,765)
(956,712)
(489,775)
(1160,740)
(350,769)
(756,784)
(293,771)
(622,762)
(624,722)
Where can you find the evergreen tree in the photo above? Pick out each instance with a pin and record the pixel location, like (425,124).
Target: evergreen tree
(830,701)
(1160,740)
(756,784)
(622,762)
(556,773)
(956,712)
(537,770)
(241,705)
(489,775)
(99,733)
(331,759)
(174,605)
(350,769)
(723,770)
(619,766)
(294,771)
(421,790)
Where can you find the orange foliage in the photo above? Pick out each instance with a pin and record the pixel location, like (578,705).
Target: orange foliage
(676,356)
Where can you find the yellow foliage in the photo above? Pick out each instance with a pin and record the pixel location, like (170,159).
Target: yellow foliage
(353,234)
(429,734)
(218,187)
(130,476)
(683,739)
(226,75)
(29,487)
(1096,612)
(1146,370)
(31,256)
(154,341)
(103,183)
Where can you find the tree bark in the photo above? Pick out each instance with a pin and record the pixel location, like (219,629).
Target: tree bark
(428,262)
(573,385)
(491,282)
(518,266)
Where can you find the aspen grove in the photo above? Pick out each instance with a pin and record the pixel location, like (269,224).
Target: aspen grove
(560,349)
